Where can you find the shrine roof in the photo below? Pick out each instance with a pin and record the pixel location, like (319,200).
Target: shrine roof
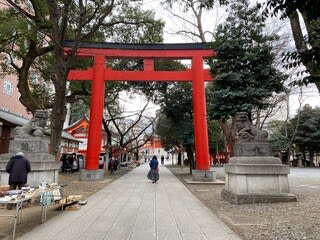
(78,124)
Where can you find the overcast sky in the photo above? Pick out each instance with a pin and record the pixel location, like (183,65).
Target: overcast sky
(310,93)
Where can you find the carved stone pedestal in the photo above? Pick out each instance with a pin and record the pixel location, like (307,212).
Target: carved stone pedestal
(43,165)
(254,176)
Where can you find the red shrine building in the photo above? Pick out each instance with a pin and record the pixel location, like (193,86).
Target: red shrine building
(80,131)
(153,147)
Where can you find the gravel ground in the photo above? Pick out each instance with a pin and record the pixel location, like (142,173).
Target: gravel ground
(277,221)
(274,221)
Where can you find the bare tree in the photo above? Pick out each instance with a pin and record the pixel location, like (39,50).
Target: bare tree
(193,20)
(130,131)
(52,22)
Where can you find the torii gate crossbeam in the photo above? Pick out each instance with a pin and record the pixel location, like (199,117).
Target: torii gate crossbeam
(99,73)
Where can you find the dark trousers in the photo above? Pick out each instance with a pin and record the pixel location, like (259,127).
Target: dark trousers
(14,186)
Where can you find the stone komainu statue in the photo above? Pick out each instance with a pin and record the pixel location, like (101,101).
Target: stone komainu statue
(35,127)
(247,132)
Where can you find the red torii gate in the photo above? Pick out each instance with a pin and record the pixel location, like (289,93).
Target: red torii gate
(99,73)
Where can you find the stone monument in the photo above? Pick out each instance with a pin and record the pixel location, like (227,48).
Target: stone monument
(31,140)
(253,175)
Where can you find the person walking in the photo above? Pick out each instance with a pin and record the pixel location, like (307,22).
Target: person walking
(162,160)
(18,168)
(153,174)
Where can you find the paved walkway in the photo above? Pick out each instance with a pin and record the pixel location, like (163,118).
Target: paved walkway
(132,208)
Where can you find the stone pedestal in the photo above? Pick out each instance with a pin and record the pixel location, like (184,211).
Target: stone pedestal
(91,175)
(44,168)
(203,176)
(254,176)
(32,145)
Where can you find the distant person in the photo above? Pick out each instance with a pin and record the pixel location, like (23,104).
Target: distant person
(67,162)
(63,159)
(70,161)
(153,174)
(186,162)
(18,168)
(110,164)
(75,160)
(162,160)
(113,164)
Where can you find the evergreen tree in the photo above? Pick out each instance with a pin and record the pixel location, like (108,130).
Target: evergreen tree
(175,126)
(243,68)
(301,133)
(307,137)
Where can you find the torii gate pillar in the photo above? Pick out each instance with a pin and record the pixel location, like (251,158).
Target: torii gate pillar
(202,171)
(96,111)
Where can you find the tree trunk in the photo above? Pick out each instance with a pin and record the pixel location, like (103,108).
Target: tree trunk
(25,94)
(301,45)
(61,69)
(229,134)
(57,119)
(109,139)
(189,151)
(58,110)
(179,158)
(311,157)
(26,97)
(58,113)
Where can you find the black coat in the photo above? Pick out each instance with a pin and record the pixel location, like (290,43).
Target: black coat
(18,168)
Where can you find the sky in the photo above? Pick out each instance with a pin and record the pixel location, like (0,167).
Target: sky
(310,93)
(173,24)
(135,104)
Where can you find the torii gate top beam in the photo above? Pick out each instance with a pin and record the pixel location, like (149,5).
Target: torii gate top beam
(147,52)
(119,50)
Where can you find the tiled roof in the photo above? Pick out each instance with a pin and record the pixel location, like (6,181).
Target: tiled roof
(12,119)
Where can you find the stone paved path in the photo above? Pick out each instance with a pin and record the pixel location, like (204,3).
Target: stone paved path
(132,208)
